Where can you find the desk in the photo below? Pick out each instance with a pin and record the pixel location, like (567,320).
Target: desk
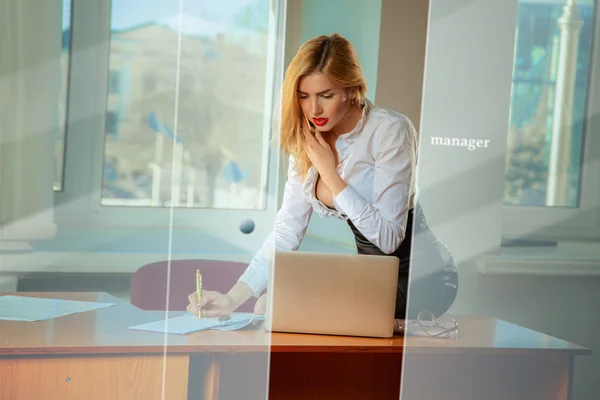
(94,356)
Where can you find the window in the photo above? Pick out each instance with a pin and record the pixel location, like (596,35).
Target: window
(114,82)
(112,124)
(173,114)
(149,83)
(59,145)
(549,152)
(218,78)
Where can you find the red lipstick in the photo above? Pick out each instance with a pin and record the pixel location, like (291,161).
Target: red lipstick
(320,121)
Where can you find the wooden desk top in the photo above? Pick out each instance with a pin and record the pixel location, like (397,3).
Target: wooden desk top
(105,331)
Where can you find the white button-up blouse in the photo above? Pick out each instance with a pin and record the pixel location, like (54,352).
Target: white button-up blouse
(377,160)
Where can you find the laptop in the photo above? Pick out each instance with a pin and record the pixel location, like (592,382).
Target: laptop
(332,294)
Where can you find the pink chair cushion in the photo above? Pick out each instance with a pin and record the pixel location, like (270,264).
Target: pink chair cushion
(149,283)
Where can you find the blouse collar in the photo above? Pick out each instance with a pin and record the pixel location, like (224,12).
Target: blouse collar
(367,106)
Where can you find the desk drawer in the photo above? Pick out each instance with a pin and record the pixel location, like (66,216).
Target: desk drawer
(95,377)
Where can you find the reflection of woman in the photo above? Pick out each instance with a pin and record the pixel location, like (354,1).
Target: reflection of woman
(353,161)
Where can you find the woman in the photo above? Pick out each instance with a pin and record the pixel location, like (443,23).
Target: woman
(348,159)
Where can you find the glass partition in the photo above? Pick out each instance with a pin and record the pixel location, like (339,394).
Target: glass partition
(508,116)
(142,133)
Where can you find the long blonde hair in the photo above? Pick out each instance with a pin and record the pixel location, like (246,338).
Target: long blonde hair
(332,55)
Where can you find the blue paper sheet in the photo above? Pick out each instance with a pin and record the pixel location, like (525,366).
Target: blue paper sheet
(30,309)
(189,323)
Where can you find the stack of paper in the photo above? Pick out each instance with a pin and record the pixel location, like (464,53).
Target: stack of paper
(189,323)
(24,308)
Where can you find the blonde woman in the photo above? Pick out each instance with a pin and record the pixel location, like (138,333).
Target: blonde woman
(348,159)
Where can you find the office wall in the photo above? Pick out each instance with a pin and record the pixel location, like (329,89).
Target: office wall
(28,92)
(402,41)
(359,22)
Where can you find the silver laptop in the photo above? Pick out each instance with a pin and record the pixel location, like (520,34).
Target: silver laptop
(332,294)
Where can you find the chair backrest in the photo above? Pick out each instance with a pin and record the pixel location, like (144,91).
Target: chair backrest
(149,283)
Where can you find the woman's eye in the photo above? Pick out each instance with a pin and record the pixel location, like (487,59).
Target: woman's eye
(328,96)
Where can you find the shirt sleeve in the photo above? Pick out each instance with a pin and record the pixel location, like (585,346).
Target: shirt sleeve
(383,222)
(291,223)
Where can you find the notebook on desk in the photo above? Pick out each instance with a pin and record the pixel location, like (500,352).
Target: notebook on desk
(333,294)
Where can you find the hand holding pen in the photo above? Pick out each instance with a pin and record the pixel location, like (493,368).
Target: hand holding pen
(207,303)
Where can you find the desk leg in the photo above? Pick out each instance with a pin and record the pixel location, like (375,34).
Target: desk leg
(205,374)
(569,390)
(229,376)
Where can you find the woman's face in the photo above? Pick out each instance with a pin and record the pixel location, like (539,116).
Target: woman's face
(323,103)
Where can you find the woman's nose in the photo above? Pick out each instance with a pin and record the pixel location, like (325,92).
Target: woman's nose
(316,108)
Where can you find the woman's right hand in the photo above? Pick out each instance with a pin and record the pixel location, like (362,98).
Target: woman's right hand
(213,304)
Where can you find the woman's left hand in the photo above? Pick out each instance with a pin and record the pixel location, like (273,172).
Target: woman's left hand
(320,154)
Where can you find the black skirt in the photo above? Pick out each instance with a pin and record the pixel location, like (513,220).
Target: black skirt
(431,270)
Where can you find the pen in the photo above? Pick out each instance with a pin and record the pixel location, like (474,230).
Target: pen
(199,291)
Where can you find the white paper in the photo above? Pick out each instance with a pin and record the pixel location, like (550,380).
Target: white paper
(189,323)
(30,309)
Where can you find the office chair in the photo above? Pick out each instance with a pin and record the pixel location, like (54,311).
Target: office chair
(149,283)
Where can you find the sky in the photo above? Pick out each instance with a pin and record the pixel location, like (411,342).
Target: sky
(127,13)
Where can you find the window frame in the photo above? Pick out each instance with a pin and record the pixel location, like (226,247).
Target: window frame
(569,223)
(79,203)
